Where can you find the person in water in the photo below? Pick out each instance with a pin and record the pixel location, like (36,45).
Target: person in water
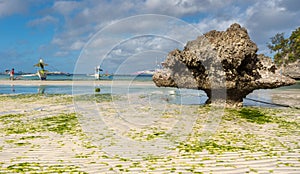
(12,74)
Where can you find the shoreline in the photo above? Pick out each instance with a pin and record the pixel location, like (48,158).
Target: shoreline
(282,96)
(77,83)
(89,82)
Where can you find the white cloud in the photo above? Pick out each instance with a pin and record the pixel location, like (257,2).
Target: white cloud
(145,60)
(81,20)
(66,7)
(61,53)
(10,7)
(216,24)
(266,18)
(57,41)
(269,15)
(290,5)
(43,21)
(262,19)
(77,45)
(115,55)
(182,7)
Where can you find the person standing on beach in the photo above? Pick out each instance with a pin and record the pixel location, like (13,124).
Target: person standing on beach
(12,74)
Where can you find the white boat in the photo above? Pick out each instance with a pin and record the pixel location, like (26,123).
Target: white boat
(145,73)
(97,74)
(149,72)
(42,73)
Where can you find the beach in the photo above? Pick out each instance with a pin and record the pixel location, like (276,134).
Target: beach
(143,132)
(70,82)
(156,87)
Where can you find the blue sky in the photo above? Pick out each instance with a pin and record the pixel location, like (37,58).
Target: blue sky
(60,30)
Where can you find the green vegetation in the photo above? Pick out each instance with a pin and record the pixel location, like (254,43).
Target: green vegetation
(32,137)
(6,119)
(99,98)
(34,167)
(146,135)
(287,50)
(209,145)
(41,98)
(63,123)
(247,119)
(18,124)
(254,116)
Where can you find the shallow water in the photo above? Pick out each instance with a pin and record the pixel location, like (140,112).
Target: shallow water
(80,77)
(172,95)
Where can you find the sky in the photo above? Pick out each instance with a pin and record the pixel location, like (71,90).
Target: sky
(125,36)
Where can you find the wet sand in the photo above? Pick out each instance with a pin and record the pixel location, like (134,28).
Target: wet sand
(63,134)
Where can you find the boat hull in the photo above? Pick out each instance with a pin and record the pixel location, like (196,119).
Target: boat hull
(42,75)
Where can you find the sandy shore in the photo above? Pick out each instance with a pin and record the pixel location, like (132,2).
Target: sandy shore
(129,134)
(98,82)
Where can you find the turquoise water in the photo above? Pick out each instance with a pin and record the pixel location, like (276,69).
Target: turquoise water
(49,77)
(80,77)
(173,95)
(295,86)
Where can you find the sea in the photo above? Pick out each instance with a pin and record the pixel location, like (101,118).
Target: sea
(263,97)
(63,77)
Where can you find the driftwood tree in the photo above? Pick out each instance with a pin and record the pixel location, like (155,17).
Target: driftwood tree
(222,63)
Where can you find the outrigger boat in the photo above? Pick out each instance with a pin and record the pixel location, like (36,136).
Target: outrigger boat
(97,73)
(42,73)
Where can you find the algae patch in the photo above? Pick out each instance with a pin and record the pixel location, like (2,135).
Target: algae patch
(30,167)
(254,116)
(60,124)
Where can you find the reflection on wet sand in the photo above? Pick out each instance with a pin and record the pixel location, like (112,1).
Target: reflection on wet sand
(13,88)
(41,89)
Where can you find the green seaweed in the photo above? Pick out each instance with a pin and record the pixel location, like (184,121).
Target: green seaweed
(62,123)
(99,98)
(254,116)
(210,146)
(22,143)
(33,137)
(28,98)
(27,167)
(9,118)
(290,125)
